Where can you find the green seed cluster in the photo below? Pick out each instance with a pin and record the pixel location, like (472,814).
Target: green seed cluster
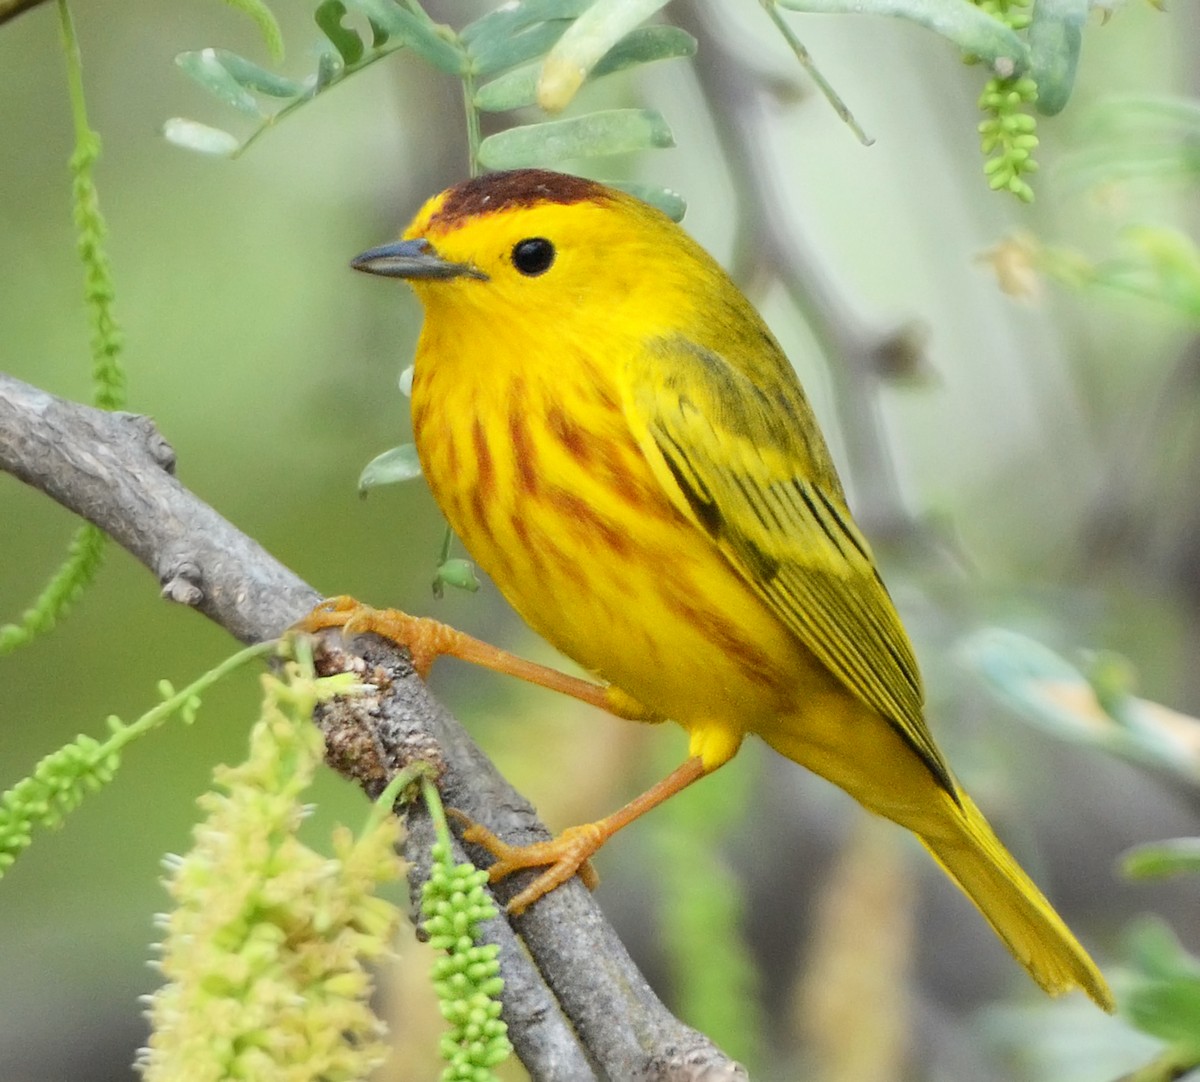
(1007,136)
(60,781)
(454,905)
(1016,13)
(56,787)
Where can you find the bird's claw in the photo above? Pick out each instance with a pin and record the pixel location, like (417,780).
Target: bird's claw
(564,856)
(423,638)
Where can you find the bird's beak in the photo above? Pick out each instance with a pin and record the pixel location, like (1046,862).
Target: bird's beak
(412,259)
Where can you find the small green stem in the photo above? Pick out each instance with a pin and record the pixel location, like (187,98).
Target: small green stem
(1170,1066)
(107,374)
(179,699)
(807,63)
(84,556)
(74,71)
(385,803)
(473,135)
(433,803)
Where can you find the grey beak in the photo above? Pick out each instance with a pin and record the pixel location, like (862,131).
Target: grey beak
(412,259)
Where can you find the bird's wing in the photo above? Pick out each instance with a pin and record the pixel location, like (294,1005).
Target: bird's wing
(748,466)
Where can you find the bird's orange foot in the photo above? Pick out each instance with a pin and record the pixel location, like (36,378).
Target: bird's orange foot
(565,856)
(424,639)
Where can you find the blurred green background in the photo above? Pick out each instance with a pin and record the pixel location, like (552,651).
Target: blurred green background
(1026,451)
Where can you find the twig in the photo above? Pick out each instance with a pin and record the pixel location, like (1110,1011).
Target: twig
(10,9)
(573,997)
(770,243)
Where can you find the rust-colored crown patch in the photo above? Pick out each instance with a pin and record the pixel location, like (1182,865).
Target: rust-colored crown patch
(514,188)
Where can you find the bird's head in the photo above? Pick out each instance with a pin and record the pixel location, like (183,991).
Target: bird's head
(532,241)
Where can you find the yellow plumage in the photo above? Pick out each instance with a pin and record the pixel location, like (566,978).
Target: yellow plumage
(620,442)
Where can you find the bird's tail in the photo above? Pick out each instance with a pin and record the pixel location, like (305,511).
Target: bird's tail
(972,855)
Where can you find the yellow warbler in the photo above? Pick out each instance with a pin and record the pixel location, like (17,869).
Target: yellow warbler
(618,439)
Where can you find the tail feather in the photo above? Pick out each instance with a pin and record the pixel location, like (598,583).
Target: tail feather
(1018,912)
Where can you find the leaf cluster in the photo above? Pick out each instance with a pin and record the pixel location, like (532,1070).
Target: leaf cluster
(498,58)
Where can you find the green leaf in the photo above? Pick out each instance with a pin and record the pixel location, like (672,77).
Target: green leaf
(1164,997)
(959,21)
(210,73)
(514,89)
(1160,860)
(644,46)
(421,35)
(328,17)
(670,202)
(518,88)
(398,464)
(1055,37)
(253,77)
(192,135)
(510,19)
(458,573)
(1156,951)
(329,68)
(267,24)
(592,35)
(616,131)
(1046,691)
(490,55)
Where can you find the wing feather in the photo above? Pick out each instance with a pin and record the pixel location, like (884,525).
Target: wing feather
(748,465)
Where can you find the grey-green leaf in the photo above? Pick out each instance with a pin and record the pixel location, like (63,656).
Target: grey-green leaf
(518,88)
(329,68)
(210,73)
(192,135)
(1159,860)
(458,573)
(420,35)
(592,35)
(1055,38)
(510,19)
(615,131)
(490,55)
(255,77)
(670,202)
(328,17)
(643,46)
(391,467)
(959,21)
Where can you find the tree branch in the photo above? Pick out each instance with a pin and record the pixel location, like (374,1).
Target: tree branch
(10,9)
(860,353)
(576,1006)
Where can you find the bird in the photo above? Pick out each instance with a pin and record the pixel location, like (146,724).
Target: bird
(620,442)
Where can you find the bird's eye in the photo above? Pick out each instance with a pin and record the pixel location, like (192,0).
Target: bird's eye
(533,256)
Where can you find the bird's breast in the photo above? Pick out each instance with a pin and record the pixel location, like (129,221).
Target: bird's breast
(547,488)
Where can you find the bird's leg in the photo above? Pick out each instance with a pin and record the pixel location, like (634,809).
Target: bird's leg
(426,640)
(569,853)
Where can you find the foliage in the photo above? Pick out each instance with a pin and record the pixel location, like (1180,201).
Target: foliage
(543,51)
(61,780)
(1161,993)
(496,58)
(1128,139)
(85,553)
